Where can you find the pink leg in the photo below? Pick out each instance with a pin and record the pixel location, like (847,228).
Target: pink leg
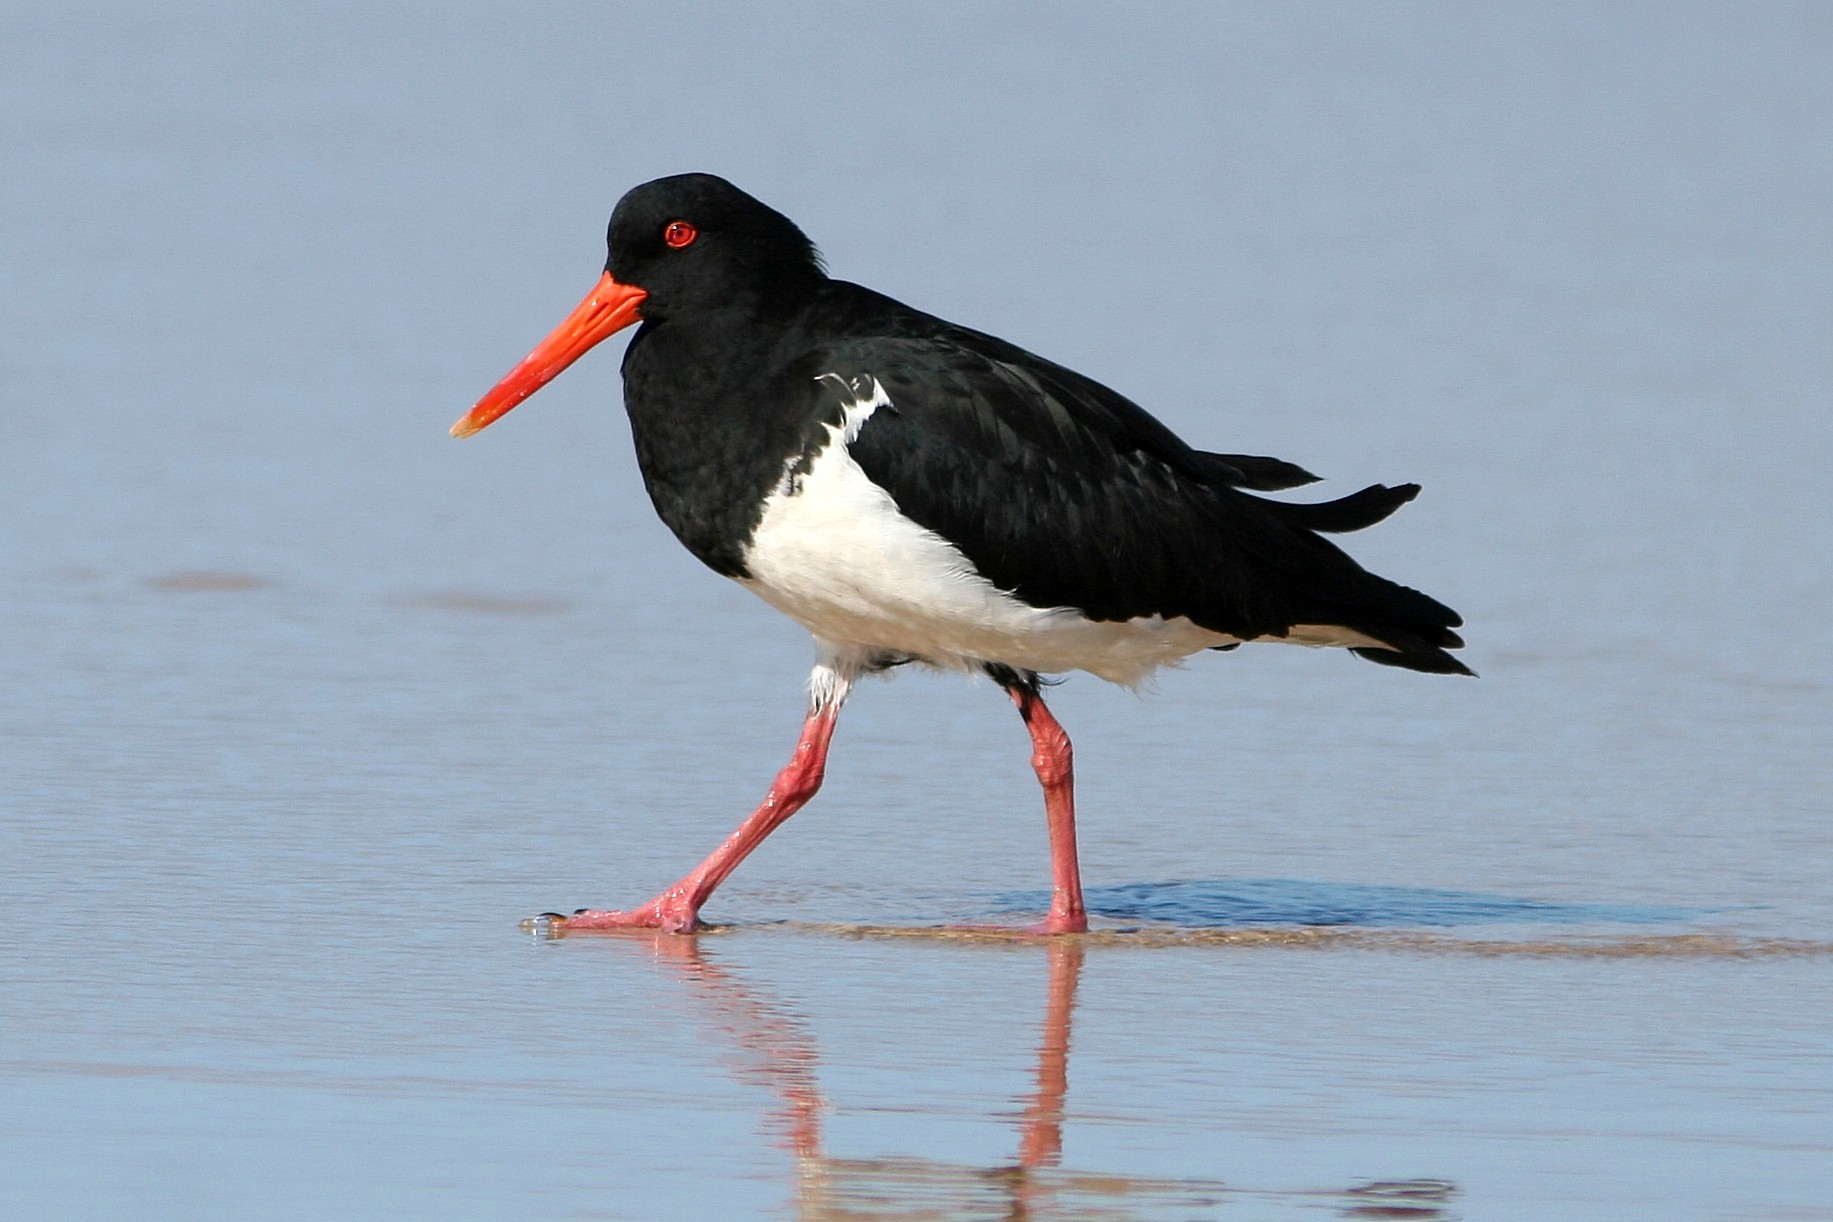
(1053,760)
(678,908)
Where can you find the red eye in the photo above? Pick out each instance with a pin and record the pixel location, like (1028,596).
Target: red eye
(679,234)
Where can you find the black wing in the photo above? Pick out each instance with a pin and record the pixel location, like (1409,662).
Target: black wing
(1106,510)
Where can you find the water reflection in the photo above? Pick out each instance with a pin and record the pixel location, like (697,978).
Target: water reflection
(777,1051)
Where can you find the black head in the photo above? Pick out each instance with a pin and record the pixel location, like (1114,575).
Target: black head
(681,245)
(695,241)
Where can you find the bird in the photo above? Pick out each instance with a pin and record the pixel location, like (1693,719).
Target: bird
(914,491)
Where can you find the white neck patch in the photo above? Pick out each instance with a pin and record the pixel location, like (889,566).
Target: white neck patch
(862,396)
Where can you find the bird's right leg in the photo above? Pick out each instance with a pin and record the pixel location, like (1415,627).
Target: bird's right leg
(677,908)
(1053,761)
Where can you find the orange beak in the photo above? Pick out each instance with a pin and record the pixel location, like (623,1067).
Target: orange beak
(607,309)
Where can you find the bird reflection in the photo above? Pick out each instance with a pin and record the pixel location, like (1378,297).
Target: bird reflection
(772,1047)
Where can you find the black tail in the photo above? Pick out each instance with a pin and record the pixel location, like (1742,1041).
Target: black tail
(1416,629)
(1414,653)
(1255,471)
(1353,512)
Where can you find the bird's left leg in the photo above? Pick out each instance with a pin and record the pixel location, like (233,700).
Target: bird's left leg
(677,909)
(1053,761)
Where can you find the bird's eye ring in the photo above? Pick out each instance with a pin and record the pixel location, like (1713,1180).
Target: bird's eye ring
(679,233)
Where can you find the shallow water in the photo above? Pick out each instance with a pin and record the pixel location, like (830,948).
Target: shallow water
(307,706)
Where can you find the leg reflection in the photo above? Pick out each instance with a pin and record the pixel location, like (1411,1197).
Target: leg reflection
(769,1045)
(775,1048)
(1041,1138)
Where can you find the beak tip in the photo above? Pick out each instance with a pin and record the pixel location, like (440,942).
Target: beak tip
(471,423)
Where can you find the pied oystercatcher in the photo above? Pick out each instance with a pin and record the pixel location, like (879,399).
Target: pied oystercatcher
(914,491)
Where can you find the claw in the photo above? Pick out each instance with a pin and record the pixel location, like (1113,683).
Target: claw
(546,925)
